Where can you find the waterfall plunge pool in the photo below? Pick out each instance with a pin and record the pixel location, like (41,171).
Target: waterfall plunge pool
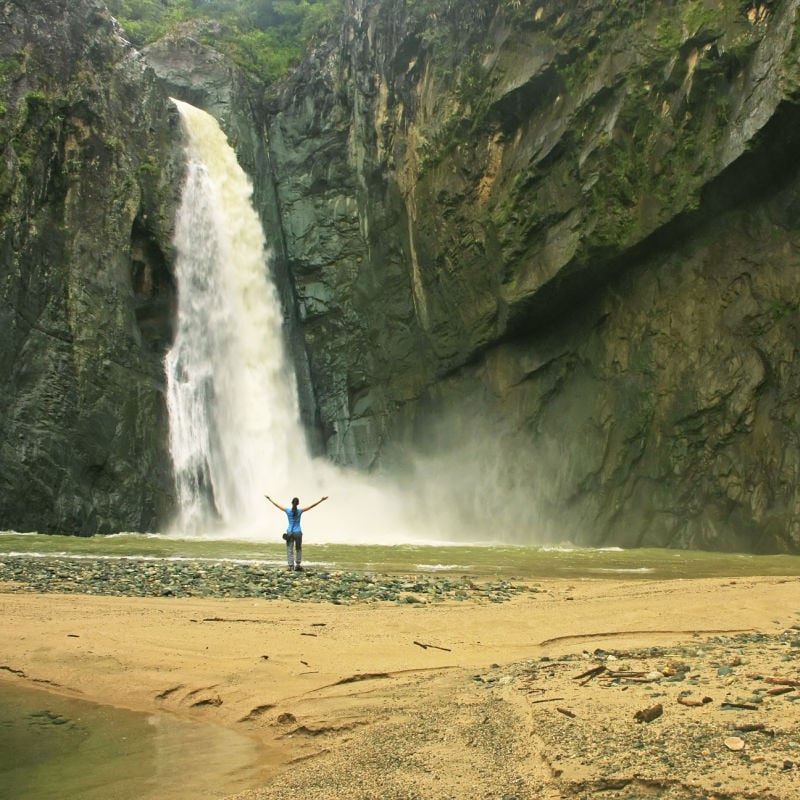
(519,562)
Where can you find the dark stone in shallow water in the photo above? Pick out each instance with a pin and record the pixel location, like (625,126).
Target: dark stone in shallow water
(136,578)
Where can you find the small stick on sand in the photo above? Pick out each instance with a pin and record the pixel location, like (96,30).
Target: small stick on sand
(434,646)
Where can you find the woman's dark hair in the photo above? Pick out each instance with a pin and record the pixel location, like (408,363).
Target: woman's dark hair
(295,512)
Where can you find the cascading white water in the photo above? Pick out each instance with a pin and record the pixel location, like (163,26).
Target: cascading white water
(234,422)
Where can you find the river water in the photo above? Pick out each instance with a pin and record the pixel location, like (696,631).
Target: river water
(528,563)
(53,747)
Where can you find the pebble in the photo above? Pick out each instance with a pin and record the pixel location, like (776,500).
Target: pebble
(130,577)
(734,743)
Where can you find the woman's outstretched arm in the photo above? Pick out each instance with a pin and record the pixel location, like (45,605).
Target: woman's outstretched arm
(282,508)
(308,508)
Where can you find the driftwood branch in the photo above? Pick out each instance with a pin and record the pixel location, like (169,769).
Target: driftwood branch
(362,676)
(585,677)
(747,727)
(783,682)
(590,673)
(691,701)
(434,646)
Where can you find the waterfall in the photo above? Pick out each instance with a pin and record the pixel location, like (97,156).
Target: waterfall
(233,410)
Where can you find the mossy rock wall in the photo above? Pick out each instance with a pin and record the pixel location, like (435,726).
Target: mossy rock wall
(87,201)
(545,254)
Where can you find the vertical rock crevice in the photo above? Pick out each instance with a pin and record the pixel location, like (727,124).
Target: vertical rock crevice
(153,289)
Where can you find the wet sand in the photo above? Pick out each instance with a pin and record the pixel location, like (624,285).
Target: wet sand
(455,699)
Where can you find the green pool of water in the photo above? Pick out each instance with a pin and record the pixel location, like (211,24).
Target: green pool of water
(528,563)
(53,747)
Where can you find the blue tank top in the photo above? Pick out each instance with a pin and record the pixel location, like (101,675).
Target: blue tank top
(294,520)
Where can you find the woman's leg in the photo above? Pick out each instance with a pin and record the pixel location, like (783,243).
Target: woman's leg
(298,539)
(290,551)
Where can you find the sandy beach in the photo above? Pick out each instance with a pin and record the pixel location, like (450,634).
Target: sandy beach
(591,688)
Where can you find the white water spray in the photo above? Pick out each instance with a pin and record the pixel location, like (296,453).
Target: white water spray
(235,432)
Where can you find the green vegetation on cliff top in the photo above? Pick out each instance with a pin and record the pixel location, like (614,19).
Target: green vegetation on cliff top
(264,37)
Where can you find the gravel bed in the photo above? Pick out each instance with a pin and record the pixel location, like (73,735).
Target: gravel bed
(724,721)
(132,577)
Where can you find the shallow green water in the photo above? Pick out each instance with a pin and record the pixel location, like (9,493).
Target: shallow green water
(52,748)
(518,562)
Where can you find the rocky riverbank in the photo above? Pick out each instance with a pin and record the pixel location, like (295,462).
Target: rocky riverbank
(713,717)
(134,577)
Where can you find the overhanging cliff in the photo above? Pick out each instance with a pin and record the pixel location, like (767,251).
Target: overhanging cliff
(553,247)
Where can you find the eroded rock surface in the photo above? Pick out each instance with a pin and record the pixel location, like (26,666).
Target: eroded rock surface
(87,193)
(544,253)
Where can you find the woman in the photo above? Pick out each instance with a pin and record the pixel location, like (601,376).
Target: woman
(294,533)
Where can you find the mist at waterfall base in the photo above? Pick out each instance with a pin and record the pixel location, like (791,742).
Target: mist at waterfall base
(235,430)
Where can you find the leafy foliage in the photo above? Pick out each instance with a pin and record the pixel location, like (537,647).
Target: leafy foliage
(264,37)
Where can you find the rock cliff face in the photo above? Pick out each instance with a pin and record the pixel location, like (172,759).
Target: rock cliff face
(86,197)
(554,248)
(548,253)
